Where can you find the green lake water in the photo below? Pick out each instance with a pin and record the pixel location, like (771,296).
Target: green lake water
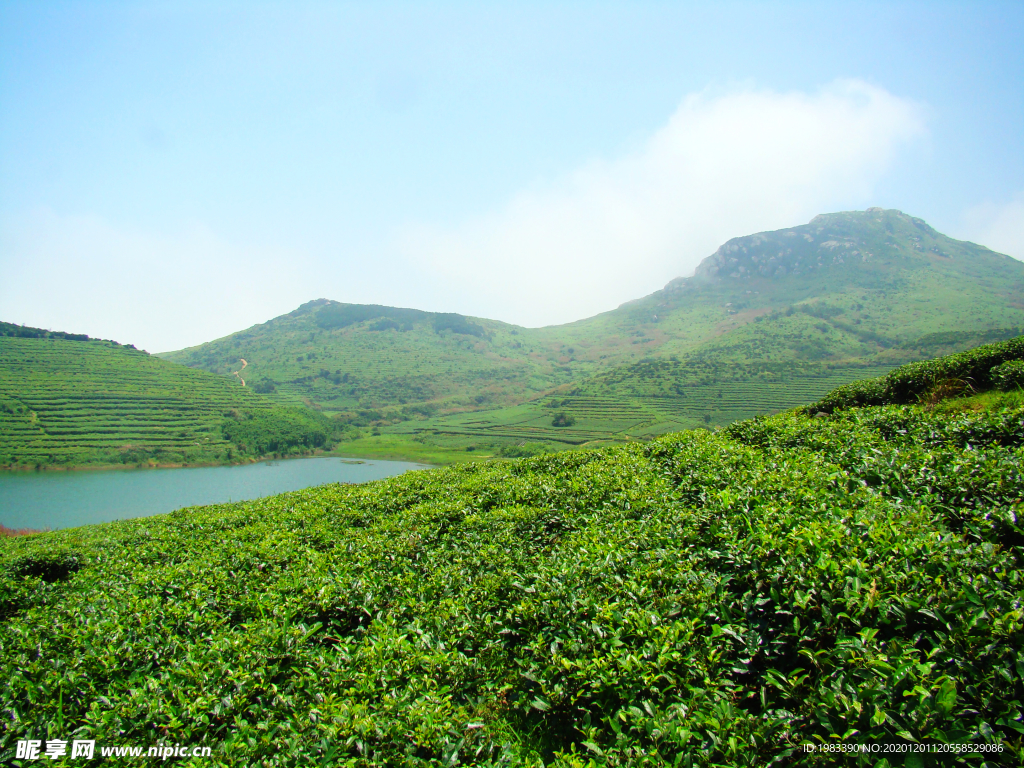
(54,500)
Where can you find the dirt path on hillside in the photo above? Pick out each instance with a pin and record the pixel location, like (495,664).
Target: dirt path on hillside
(240,370)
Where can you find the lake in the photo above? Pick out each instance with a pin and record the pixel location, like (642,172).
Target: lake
(68,499)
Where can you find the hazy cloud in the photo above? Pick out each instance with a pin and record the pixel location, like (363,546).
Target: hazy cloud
(84,275)
(999,227)
(618,229)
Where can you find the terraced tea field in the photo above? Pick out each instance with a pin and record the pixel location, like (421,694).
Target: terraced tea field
(731,401)
(631,415)
(75,402)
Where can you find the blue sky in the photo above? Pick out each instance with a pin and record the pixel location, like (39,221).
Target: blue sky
(172,172)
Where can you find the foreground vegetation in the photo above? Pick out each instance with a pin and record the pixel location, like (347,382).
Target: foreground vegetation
(703,599)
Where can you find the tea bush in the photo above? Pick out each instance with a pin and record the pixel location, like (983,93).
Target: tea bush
(1009,375)
(975,370)
(704,599)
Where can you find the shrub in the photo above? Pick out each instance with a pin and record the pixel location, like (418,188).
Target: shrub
(1009,375)
(333,316)
(448,321)
(524,450)
(48,566)
(974,369)
(384,324)
(282,431)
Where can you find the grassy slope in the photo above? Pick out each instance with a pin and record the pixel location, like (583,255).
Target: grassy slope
(72,403)
(356,367)
(703,599)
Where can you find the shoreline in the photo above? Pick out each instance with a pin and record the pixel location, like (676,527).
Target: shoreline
(136,467)
(365,449)
(41,503)
(208,465)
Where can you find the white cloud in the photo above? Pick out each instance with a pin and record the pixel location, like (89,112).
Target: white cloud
(159,292)
(618,229)
(999,227)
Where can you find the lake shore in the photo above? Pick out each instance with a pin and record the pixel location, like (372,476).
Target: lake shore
(358,450)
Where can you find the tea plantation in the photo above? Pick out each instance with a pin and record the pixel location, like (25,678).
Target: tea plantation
(652,398)
(728,598)
(67,400)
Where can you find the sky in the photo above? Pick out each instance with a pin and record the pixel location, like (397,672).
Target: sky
(172,172)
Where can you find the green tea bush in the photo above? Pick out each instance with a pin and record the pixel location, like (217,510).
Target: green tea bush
(973,370)
(1009,375)
(48,566)
(704,599)
(523,450)
(284,430)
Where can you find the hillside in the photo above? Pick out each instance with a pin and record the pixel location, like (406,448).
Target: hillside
(782,591)
(67,400)
(352,357)
(878,279)
(849,285)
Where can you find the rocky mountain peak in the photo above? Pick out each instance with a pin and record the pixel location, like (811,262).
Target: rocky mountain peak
(829,240)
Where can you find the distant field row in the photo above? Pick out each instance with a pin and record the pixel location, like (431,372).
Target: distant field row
(601,417)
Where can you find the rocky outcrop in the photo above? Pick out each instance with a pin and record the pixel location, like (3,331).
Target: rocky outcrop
(827,241)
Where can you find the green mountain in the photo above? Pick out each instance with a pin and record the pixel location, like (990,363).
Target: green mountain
(847,291)
(767,322)
(68,400)
(350,357)
(781,592)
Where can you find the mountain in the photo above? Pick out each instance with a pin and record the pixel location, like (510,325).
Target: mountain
(875,285)
(68,400)
(845,286)
(815,304)
(767,322)
(351,357)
